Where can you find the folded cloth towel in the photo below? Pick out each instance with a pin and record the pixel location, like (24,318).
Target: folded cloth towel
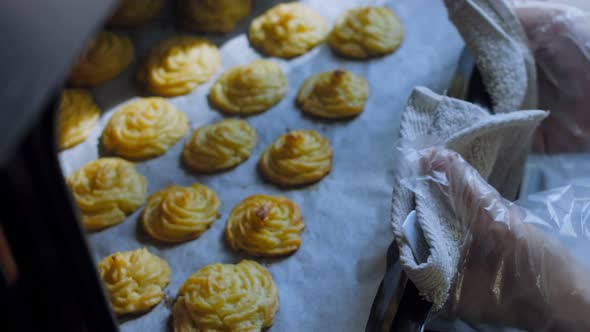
(495,144)
(499,44)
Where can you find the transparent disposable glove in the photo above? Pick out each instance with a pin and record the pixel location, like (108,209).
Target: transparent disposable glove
(511,273)
(559,37)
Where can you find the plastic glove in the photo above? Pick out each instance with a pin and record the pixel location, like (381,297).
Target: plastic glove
(559,37)
(511,272)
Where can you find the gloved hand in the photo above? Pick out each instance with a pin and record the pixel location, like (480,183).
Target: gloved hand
(559,37)
(511,272)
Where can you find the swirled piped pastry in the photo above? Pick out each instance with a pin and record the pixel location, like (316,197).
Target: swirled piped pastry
(77,115)
(249,89)
(333,94)
(144,128)
(106,190)
(135,12)
(214,15)
(219,146)
(176,213)
(179,64)
(226,297)
(134,280)
(365,32)
(296,158)
(263,225)
(288,30)
(107,55)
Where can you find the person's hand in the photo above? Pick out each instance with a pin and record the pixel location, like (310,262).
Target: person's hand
(559,37)
(511,273)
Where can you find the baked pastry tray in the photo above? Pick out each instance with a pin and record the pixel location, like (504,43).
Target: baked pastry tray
(330,282)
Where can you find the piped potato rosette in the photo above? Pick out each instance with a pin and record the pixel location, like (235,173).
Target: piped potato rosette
(179,64)
(226,297)
(366,32)
(333,94)
(296,158)
(134,280)
(144,128)
(78,115)
(219,146)
(263,225)
(176,214)
(288,30)
(106,191)
(213,15)
(106,56)
(249,89)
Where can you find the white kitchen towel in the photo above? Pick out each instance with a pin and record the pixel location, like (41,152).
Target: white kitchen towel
(495,144)
(499,45)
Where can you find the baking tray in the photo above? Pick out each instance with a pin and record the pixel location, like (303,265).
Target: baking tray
(329,284)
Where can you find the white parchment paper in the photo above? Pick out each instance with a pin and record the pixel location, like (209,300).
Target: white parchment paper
(330,282)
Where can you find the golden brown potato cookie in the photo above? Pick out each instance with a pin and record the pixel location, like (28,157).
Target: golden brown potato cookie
(219,146)
(226,297)
(78,114)
(176,214)
(296,158)
(365,32)
(249,89)
(264,225)
(179,64)
(333,94)
(107,55)
(288,30)
(213,15)
(106,190)
(135,12)
(134,280)
(144,128)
